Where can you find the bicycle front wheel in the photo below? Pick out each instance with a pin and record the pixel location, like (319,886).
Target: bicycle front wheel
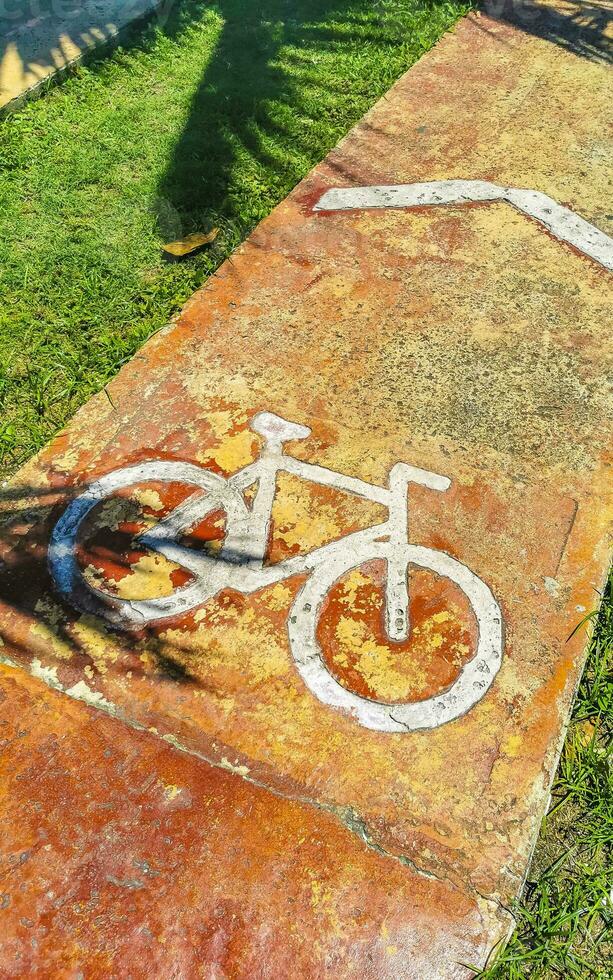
(472,683)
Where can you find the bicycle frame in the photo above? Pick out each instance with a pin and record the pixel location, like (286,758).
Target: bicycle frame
(240,564)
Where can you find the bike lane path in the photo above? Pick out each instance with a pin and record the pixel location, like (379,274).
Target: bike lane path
(466,339)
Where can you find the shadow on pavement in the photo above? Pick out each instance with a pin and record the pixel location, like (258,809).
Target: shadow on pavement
(582,28)
(41,38)
(34,614)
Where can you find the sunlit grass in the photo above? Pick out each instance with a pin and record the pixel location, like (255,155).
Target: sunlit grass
(565,920)
(207,118)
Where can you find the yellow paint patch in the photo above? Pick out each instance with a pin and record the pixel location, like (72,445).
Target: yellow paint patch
(53,614)
(214,385)
(225,705)
(278,597)
(149,498)
(256,646)
(512,746)
(377,664)
(441,617)
(431,639)
(67,460)
(235,451)
(296,526)
(116,511)
(221,423)
(48,629)
(171,792)
(353,584)
(95,578)
(100,645)
(323,902)
(150,579)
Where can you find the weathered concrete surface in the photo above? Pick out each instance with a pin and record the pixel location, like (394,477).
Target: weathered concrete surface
(464,340)
(40,38)
(122,857)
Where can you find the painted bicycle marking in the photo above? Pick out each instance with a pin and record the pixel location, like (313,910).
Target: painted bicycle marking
(559,220)
(240,565)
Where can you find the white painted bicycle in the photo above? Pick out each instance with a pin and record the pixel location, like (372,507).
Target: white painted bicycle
(240,565)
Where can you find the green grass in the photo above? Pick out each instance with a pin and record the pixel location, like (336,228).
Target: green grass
(565,919)
(211,117)
(207,117)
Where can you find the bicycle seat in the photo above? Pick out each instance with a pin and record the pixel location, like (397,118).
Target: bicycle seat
(276,429)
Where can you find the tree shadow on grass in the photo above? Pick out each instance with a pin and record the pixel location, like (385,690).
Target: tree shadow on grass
(249,137)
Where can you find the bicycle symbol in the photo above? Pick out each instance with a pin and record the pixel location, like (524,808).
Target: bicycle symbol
(240,565)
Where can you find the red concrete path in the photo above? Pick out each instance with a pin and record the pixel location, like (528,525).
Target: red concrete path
(362,780)
(124,857)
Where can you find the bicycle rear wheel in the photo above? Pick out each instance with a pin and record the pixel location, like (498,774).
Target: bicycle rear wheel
(133,613)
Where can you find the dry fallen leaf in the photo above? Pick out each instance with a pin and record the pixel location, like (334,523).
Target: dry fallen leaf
(585,731)
(188,245)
